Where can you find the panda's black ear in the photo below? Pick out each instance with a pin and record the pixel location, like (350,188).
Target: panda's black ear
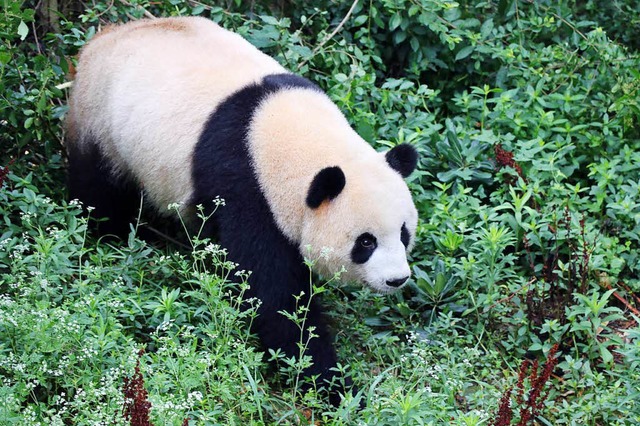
(326,185)
(402,158)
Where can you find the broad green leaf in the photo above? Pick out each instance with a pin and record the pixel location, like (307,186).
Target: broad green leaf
(464,52)
(395,22)
(23,30)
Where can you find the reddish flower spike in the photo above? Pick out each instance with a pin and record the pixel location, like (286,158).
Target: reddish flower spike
(136,403)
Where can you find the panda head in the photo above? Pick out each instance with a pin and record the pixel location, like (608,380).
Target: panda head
(363,213)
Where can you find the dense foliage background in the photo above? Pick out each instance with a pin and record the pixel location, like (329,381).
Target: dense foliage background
(526,115)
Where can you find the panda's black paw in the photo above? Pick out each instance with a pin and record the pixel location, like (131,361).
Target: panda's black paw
(336,398)
(339,388)
(336,394)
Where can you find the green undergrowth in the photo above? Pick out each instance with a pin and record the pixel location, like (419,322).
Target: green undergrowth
(524,302)
(75,314)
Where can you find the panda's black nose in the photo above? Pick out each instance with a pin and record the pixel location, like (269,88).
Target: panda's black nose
(398,282)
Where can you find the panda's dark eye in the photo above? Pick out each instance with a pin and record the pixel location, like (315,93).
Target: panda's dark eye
(367,242)
(363,248)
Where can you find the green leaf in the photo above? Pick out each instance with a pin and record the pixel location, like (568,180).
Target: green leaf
(486,28)
(376,322)
(606,355)
(23,30)
(415,44)
(360,20)
(5,57)
(464,52)
(399,37)
(535,347)
(395,22)
(269,20)
(366,130)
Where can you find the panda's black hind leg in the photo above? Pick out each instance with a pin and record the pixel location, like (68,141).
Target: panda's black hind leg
(113,202)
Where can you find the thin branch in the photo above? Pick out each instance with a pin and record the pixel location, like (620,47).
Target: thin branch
(207,7)
(109,6)
(144,11)
(35,36)
(330,36)
(570,25)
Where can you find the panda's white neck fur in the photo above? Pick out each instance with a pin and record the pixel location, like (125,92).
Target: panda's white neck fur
(294,134)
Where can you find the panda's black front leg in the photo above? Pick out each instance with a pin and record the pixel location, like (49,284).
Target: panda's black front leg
(296,327)
(290,317)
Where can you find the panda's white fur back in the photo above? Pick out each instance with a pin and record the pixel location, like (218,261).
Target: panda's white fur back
(146,88)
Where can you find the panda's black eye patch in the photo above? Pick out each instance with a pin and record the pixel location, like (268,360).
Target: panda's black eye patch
(404,235)
(363,248)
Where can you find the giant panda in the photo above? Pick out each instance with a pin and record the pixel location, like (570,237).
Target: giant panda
(180,110)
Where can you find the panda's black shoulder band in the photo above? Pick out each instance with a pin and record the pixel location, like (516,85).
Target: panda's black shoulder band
(223,147)
(276,82)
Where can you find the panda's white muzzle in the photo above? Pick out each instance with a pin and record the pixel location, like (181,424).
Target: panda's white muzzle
(387,270)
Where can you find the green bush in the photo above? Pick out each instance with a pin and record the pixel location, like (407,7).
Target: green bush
(527,119)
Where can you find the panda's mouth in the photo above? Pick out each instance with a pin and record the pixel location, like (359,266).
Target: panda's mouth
(377,286)
(381,287)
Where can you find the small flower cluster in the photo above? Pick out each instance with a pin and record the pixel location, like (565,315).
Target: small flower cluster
(217,201)
(82,399)
(115,304)
(5,300)
(242,274)
(54,232)
(26,217)
(215,250)
(19,250)
(164,326)
(166,409)
(10,362)
(326,252)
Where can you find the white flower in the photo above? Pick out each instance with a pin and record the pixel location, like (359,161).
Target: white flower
(219,201)
(325,252)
